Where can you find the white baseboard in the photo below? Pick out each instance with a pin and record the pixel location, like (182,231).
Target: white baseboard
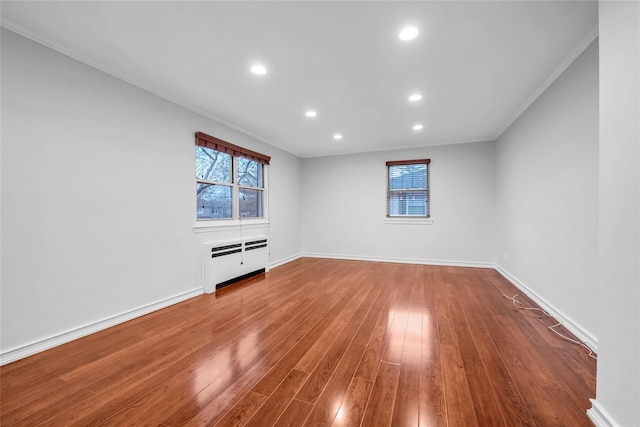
(581,333)
(402,260)
(285,260)
(599,416)
(38,346)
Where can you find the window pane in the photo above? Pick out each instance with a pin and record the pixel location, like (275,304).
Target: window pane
(249,173)
(250,203)
(408,203)
(214,201)
(212,165)
(408,176)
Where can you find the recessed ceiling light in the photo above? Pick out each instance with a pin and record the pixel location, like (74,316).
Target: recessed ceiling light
(258,69)
(337,136)
(310,113)
(415,97)
(417,127)
(408,33)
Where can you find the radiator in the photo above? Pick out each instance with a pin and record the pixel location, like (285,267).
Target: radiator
(231,260)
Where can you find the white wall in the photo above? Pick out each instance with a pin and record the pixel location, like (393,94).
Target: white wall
(618,381)
(344,199)
(285,177)
(547,199)
(98,196)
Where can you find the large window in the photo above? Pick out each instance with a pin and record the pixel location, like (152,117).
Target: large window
(229,180)
(408,188)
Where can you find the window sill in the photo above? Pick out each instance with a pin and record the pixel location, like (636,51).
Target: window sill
(205,226)
(409,221)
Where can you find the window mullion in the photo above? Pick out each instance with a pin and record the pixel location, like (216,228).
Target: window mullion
(204,181)
(236,190)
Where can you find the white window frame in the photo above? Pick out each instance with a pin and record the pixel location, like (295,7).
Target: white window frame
(202,224)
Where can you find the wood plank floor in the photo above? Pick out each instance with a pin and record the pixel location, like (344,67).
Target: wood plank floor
(316,343)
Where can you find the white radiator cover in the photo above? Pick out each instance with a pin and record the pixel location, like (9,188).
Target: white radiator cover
(228,259)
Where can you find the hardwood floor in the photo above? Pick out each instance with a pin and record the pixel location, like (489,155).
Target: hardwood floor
(316,343)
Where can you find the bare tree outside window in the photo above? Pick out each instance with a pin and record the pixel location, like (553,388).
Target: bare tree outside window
(228,186)
(213,171)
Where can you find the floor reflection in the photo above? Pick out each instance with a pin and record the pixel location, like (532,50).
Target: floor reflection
(225,365)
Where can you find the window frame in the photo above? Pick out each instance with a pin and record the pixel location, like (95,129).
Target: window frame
(408,219)
(237,188)
(236,152)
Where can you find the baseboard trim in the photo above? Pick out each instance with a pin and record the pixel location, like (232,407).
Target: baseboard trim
(285,260)
(402,260)
(581,333)
(38,346)
(599,416)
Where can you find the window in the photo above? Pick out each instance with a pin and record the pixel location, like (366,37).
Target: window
(229,180)
(408,188)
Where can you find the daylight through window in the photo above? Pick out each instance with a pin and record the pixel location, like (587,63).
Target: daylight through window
(408,188)
(229,180)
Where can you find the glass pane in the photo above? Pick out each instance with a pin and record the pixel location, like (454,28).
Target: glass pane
(250,203)
(212,165)
(214,201)
(408,203)
(249,173)
(408,176)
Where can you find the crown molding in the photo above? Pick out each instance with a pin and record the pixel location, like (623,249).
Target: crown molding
(568,60)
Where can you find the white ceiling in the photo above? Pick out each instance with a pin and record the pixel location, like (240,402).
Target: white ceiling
(478,64)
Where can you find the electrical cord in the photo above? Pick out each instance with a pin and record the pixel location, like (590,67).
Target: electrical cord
(542,314)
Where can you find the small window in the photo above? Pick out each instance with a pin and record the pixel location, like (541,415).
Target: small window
(229,180)
(408,188)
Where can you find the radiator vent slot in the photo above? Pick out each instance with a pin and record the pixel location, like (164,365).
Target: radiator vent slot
(255,242)
(228,261)
(226,250)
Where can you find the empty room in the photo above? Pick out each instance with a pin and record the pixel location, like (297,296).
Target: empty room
(320,213)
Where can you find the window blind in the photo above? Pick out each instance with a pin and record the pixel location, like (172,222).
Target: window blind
(208,141)
(408,188)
